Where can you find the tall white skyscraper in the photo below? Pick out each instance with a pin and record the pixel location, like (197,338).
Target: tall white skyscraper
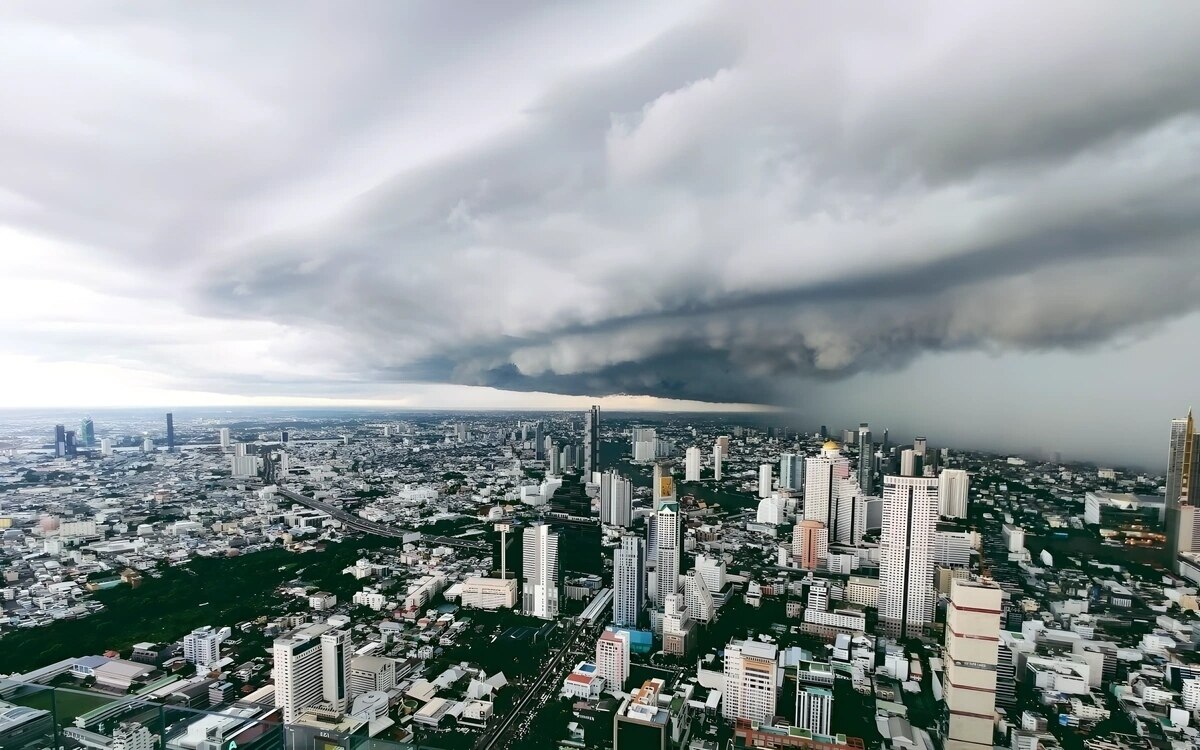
(764,480)
(866,457)
(692,465)
(827,480)
(814,708)
(644,443)
(539,597)
(718,455)
(791,472)
(616,499)
(953,485)
(972,638)
(910,514)
(612,659)
(668,541)
(908,462)
(225,442)
(629,581)
(335,669)
(772,510)
(298,670)
(712,570)
(749,681)
(1183,488)
(591,441)
(697,598)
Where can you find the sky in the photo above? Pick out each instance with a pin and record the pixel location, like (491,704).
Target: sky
(978,221)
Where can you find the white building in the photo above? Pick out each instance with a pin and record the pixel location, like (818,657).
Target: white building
(667,532)
(718,454)
(489,593)
(224,437)
(133,736)
(910,514)
(791,472)
(202,646)
(952,493)
(616,499)
(645,444)
(1014,537)
(972,637)
(629,581)
(371,673)
(692,464)
(750,681)
(697,598)
(106,448)
(772,510)
(335,669)
(299,669)
(952,549)
(540,596)
(814,708)
(764,480)
(612,659)
(712,570)
(832,495)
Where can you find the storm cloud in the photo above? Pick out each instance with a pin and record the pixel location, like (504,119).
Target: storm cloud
(701,201)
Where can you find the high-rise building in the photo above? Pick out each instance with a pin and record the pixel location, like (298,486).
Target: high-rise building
(814,708)
(539,442)
(60,440)
(298,671)
(106,448)
(540,595)
(764,480)
(224,437)
(284,436)
(832,495)
(791,472)
(908,463)
(72,444)
(555,456)
(87,432)
(972,637)
(718,455)
(668,541)
(629,581)
(750,691)
(1183,488)
(663,485)
(170,432)
(644,443)
(677,626)
(712,570)
(697,598)
(692,465)
(202,646)
(953,485)
(612,658)
(370,673)
(910,514)
(591,441)
(616,499)
(130,735)
(866,458)
(810,544)
(336,654)
(723,442)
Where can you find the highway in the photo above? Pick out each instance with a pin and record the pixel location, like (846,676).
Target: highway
(549,678)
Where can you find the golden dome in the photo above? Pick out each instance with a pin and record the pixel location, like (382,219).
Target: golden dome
(831,445)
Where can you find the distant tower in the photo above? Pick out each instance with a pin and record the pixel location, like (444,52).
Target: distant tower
(866,456)
(540,596)
(791,472)
(692,465)
(170,432)
(283,437)
(629,581)
(764,480)
(953,485)
(224,437)
(668,540)
(60,440)
(87,432)
(1183,488)
(910,514)
(591,442)
(718,455)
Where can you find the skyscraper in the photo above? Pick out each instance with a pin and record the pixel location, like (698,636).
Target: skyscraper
(1183,488)
(60,440)
(791,472)
(87,432)
(224,438)
(832,495)
(814,708)
(953,485)
(866,458)
(335,669)
(750,691)
(668,528)
(810,544)
(539,442)
(697,598)
(170,432)
(972,637)
(718,454)
(616,499)
(692,465)
(764,480)
(591,441)
(612,659)
(540,594)
(298,671)
(629,581)
(555,455)
(663,485)
(910,514)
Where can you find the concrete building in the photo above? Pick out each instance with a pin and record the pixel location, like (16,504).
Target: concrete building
(629,581)
(541,595)
(718,455)
(814,708)
(953,487)
(612,659)
(791,472)
(810,544)
(972,636)
(371,673)
(750,681)
(202,646)
(335,669)
(489,593)
(765,480)
(668,541)
(692,464)
(910,514)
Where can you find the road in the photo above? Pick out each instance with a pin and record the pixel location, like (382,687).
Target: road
(547,680)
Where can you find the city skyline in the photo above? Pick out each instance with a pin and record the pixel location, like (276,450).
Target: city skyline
(835,224)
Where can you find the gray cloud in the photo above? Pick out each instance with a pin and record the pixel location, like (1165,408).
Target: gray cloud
(714,205)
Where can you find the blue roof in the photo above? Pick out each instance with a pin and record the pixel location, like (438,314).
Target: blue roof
(90,662)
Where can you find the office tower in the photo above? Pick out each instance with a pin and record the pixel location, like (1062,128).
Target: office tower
(539,442)
(920,456)
(1183,488)
(224,437)
(908,463)
(692,465)
(910,513)
(810,544)
(764,480)
(718,455)
(60,440)
(540,557)
(612,659)
(335,669)
(824,432)
(749,682)
(677,626)
(791,472)
(629,581)
(866,456)
(697,598)
(283,437)
(591,441)
(772,510)
(953,485)
(668,540)
(106,448)
(663,485)
(644,443)
(72,446)
(832,495)
(170,432)
(712,570)
(972,636)
(616,499)
(298,671)
(370,673)
(202,646)
(87,432)
(814,708)
(555,460)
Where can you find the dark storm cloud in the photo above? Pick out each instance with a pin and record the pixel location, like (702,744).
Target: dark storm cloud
(532,197)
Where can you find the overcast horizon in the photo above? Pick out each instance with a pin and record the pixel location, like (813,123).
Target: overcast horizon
(979,221)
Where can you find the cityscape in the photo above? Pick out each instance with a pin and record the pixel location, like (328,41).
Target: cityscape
(209,579)
(611,375)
